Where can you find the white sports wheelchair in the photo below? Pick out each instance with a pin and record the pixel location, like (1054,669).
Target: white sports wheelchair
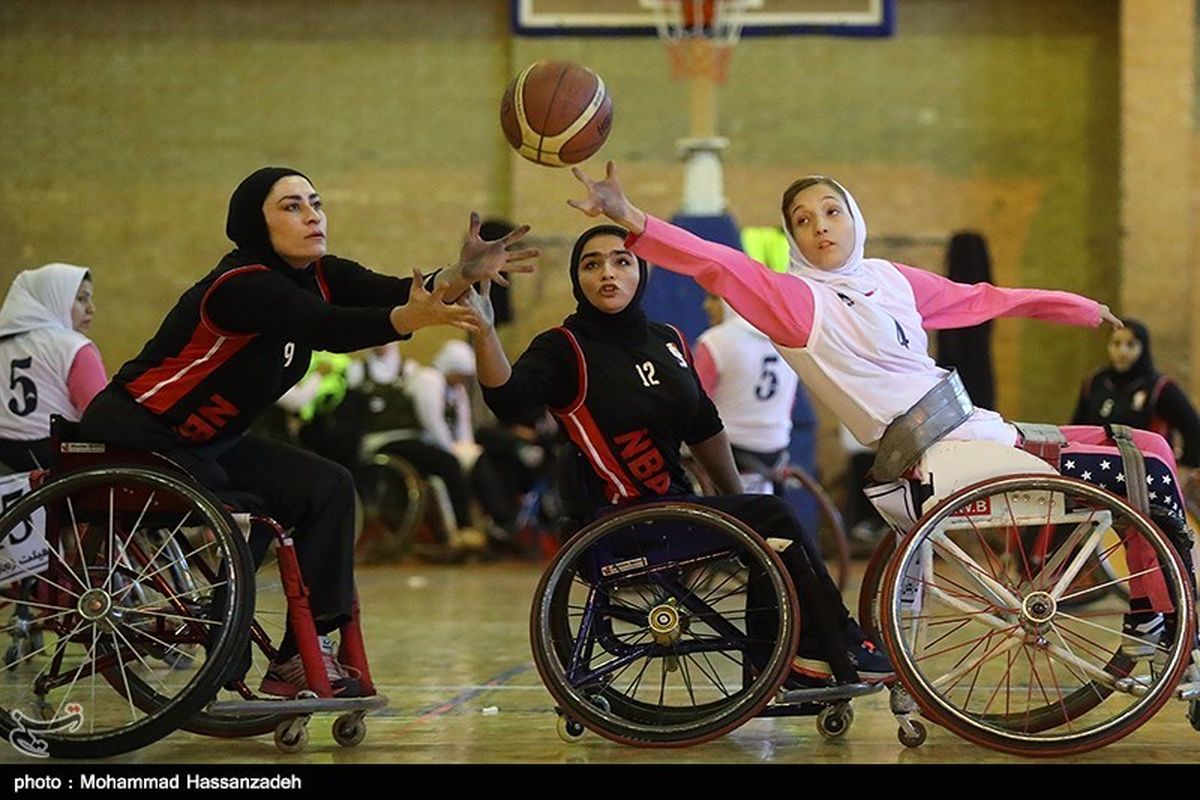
(1001,601)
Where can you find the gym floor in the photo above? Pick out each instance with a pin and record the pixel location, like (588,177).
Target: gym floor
(449,646)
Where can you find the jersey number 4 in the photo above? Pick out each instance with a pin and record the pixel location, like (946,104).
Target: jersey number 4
(23,387)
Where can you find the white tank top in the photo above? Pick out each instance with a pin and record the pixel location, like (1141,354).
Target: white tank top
(867,358)
(756,390)
(33,381)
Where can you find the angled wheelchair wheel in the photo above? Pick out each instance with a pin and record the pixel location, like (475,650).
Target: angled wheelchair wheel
(393,503)
(1023,652)
(832,531)
(143,603)
(668,625)
(870,591)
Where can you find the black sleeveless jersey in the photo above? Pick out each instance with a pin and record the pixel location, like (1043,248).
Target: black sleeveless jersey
(626,407)
(243,335)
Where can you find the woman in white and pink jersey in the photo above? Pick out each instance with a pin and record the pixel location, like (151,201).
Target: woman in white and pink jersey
(49,364)
(853,328)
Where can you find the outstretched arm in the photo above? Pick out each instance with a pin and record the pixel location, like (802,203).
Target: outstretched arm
(781,306)
(943,303)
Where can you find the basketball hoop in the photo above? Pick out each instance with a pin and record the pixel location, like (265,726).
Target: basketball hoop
(699,34)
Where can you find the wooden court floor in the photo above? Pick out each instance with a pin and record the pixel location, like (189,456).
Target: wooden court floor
(449,647)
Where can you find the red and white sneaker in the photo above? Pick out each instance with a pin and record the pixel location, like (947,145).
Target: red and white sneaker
(287,679)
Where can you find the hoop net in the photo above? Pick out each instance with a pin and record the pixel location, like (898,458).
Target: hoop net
(699,35)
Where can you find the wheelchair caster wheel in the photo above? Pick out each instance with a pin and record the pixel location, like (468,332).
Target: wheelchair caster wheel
(349,730)
(292,736)
(1194,714)
(570,730)
(834,721)
(914,739)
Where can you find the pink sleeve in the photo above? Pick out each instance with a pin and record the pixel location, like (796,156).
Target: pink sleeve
(86,377)
(943,303)
(706,368)
(781,306)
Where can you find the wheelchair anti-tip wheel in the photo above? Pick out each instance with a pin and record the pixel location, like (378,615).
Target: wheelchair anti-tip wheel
(667,625)
(115,615)
(1023,652)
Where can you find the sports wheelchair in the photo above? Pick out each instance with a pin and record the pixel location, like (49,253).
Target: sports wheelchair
(670,624)
(1001,597)
(139,613)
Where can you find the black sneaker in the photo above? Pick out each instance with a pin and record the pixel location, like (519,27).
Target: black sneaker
(872,663)
(1141,633)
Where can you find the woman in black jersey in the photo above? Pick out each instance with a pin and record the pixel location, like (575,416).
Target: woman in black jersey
(241,337)
(626,392)
(1130,391)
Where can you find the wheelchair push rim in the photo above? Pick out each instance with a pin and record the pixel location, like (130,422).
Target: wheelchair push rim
(137,634)
(980,635)
(664,650)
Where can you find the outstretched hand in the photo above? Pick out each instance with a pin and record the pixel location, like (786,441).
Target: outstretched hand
(606,197)
(425,308)
(481,260)
(1110,318)
(480,302)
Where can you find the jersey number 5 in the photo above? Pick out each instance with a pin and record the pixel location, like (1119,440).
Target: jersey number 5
(768,380)
(22,387)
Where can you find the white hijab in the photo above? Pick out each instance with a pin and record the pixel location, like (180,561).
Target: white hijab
(455,358)
(41,298)
(851,274)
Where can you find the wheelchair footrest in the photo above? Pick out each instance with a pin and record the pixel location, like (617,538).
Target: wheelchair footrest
(827,694)
(308,705)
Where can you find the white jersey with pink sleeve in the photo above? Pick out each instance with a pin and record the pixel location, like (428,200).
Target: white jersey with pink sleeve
(858,340)
(755,389)
(36,365)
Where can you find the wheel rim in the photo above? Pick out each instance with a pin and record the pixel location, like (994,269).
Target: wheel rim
(646,642)
(113,614)
(1020,650)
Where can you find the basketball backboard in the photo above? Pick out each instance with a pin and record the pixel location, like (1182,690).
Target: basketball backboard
(761,18)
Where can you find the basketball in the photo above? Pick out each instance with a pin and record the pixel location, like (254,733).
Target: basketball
(556,113)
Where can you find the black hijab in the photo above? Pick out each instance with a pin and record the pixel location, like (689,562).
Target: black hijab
(245,224)
(627,326)
(1143,368)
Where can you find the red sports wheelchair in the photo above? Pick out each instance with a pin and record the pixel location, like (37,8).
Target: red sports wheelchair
(140,615)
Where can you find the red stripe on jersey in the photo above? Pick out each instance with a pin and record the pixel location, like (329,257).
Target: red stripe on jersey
(321,284)
(581,366)
(586,434)
(204,300)
(159,388)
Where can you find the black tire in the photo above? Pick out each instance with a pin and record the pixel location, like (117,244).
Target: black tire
(106,649)
(1008,613)
(694,571)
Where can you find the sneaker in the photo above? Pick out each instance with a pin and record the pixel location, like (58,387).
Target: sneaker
(287,679)
(1141,633)
(871,663)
